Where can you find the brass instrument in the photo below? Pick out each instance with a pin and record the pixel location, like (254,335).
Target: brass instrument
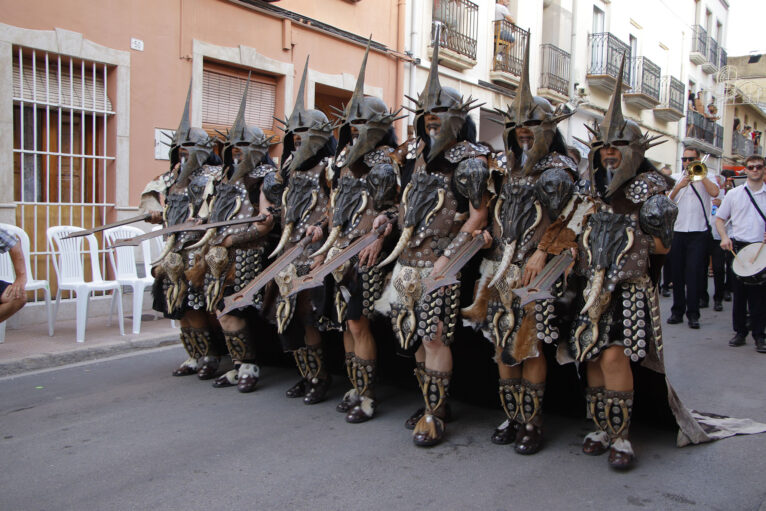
(696,170)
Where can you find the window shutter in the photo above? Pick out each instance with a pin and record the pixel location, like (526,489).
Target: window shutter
(221,96)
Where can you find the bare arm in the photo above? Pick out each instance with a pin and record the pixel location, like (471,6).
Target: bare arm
(16,290)
(711,188)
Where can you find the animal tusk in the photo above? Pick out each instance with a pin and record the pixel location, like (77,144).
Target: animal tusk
(505,262)
(166,249)
(538,219)
(498,205)
(361,209)
(286,233)
(201,243)
(586,242)
(439,204)
(329,243)
(314,198)
(405,194)
(628,245)
(400,245)
(595,290)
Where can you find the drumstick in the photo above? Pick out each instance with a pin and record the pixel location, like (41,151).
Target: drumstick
(757,253)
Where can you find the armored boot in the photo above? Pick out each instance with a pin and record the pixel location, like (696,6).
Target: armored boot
(596,442)
(233,342)
(529,438)
(350,398)
(619,409)
(301,362)
(242,353)
(430,428)
(415,417)
(364,384)
(318,379)
(510,395)
(209,347)
(191,365)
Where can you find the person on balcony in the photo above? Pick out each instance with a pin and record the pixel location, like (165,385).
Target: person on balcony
(502,13)
(12,294)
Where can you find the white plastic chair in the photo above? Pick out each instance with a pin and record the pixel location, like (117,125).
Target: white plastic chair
(159,244)
(123,261)
(67,261)
(9,275)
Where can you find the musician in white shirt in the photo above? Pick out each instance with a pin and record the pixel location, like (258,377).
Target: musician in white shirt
(746,226)
(690,240)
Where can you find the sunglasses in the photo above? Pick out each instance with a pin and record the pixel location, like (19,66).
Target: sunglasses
(688,158)
(754,167)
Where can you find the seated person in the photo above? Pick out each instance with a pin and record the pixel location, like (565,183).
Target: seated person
(12,295)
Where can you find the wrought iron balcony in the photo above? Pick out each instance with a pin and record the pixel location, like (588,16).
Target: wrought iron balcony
(698,55)
(459,28)
(672,92)
(554,73)
(722,57)
(742,146)
(703,133)
(510,43)
(644,83)
(606,52)
(711,63)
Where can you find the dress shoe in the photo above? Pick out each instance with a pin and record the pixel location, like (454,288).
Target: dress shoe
(429,431)
(621,455)
(185,370)
(665,291)
(350,400)
(415,417)
(718,306)
(674,320)
(704,304)
(227,379)
(596,443)
(529,439)
(247,378)
(727,296)
(737,340)
(297,390)
(208,367)
(760,345)
(505,433)
(317,392)
(694,323)
(362,412)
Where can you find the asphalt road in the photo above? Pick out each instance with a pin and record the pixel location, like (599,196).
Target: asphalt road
(123,434)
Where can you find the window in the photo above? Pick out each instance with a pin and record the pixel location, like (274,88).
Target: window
(598,21)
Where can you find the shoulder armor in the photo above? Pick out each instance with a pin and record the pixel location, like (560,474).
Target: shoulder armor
(378,155)
(556,160)
(645,185)
(657,218)
(411,147)
(463,150)
(260,171)
(498,162)
(272,188)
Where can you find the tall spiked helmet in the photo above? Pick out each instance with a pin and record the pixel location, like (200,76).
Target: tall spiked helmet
(251,142)
(312,126)
(195,141)
(444,102)
(181,133)
(622,134)
(369,115)
(534,113)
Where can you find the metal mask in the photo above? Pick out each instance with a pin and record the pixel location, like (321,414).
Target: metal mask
(250,140)
(534,113)
(622,134)
(471,177)
(199,146)
(312,125)
(369,115)
(445,103)
(553,189)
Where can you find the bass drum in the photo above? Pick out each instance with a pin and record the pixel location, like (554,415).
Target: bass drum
(750,264)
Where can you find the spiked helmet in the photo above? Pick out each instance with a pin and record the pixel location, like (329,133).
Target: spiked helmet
(181,133)
(250,140)
(624,135)
(534,113)
(311,125)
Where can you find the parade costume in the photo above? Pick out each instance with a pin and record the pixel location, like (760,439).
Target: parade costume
(235,254)
(432,212)
(366,186)
(177,292)
(305,173)
(529,215)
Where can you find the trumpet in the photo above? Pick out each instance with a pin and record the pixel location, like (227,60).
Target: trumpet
(696,170)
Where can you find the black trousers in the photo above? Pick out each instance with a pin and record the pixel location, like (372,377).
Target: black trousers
(688,254)
(748,297)
(667,274)
(722,275)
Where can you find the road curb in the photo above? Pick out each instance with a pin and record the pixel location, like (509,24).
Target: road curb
(47,360)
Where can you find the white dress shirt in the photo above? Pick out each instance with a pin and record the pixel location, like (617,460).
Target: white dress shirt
(716,236)
(747,225)
(691,215)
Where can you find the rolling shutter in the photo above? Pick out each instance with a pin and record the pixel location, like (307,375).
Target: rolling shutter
(222,93)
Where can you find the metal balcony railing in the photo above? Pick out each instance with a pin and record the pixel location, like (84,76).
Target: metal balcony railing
(555,69)
(510,43)
(699,40)
(712,51)
(645,78)
(722,57)
(459,25)
(701,128)
(672,93)
(606,52)
(741,145)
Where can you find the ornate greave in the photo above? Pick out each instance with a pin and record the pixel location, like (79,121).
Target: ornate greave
(301,362)
(349,361)
(202,341)
(619,408)
(510,397)
(435,388)
(594,398)
(240,345)
(189,344)
(364,377)
(531,402)
(315,364)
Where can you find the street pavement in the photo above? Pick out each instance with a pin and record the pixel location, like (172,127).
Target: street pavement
(121,433)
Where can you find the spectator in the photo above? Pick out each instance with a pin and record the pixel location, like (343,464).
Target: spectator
(667,274)
(502,13)
(721,261)
(12,295)
(737,124)
(745,208)
(690,240)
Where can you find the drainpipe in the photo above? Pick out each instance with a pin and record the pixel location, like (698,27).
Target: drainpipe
(412,88)
(401,12)
(572,60)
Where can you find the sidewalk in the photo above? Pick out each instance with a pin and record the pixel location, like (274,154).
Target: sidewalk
(29,348)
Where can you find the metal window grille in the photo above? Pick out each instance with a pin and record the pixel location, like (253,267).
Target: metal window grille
(672,93)
(701,128)
(510,43)
(460,25)
(645,78)
(555,69)
(62,149)
(699,40)
(222,94)
(722,57)
(606,53)
(712,51)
